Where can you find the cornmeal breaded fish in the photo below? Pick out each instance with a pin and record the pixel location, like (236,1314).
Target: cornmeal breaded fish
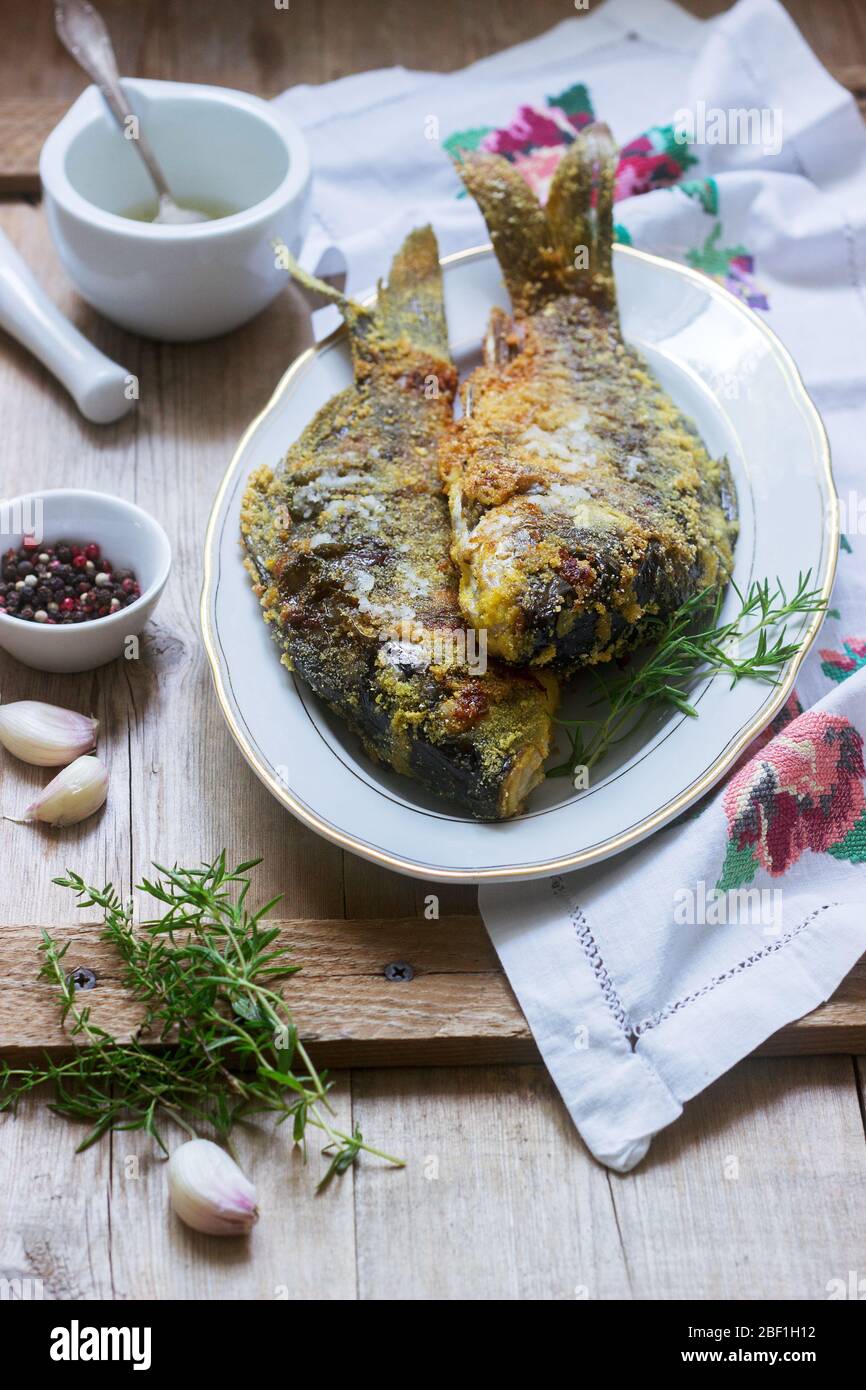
(348,542)
(581,499)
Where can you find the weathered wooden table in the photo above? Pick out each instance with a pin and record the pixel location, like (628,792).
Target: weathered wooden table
(499,1199)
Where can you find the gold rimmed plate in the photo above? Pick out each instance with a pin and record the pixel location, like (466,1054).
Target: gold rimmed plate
(731,375)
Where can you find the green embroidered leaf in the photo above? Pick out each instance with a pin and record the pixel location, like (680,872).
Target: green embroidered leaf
(667,140)
(621,234)
(853,847)
(464,141)
(706,191)
(740,867)
(574,101)
(713,259)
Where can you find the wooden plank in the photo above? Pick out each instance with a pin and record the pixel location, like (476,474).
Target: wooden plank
(756,1193)
(457,1008)
(264,49)
(261,48)
(860,1086)
(24,124)
(500,1200)
(301,1248)
(55,1211)
(99,1225)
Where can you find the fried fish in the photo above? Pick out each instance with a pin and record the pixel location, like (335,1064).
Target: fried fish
(582,501)
(348,545)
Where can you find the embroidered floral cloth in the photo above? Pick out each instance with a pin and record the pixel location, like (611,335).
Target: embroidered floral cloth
(638,988)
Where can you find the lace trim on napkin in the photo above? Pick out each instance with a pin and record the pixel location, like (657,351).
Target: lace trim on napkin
(590,949)
(633,1031)
(655,1019)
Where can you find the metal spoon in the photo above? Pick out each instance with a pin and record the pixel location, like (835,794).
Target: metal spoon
(82,31)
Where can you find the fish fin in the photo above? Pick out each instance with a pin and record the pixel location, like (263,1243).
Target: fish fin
(356,316)
(517,225)
(411,307)
(588,166)
(537,247)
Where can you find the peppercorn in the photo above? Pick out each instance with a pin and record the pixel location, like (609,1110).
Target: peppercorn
(63,583)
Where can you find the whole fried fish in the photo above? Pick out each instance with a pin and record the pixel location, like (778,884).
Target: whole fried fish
(348,543)
(581,499)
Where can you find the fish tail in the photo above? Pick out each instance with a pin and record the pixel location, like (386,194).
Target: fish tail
(583,236)
(517,225)
(411,307)
(409,310)
(564,246)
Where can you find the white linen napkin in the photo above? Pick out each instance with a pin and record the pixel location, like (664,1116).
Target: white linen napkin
(638,995)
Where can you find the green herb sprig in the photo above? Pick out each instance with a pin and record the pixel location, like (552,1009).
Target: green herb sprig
(217,1044)
(690,645)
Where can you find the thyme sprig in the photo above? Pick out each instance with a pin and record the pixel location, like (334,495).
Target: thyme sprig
(217,1044)
(688,646)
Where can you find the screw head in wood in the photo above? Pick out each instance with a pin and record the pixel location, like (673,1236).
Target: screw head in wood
(399,970)
(82,977)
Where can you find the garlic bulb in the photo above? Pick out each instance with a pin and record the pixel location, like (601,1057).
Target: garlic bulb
(46,735)
(208,1190)
(73,795)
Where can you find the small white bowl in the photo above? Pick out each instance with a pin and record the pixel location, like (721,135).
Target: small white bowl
(130,539)
(216,146)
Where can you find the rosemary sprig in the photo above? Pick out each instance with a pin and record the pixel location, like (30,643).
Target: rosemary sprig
(690,645)
(217,1044)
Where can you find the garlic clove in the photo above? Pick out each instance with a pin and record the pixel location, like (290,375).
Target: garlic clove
(209,1192)
(73,795)
(45,735)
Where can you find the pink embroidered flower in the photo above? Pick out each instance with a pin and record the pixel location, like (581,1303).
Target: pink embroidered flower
(538,168)
(642,173)
(790,711)
(628,182)
(802,791)
(641,144)
(529,128)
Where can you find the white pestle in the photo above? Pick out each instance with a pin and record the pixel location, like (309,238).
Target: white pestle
(99,387)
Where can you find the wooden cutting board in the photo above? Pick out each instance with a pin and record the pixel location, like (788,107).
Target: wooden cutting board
(456,1008)
(24,124)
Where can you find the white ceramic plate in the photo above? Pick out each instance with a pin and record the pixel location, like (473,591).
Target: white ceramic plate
(730,374)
